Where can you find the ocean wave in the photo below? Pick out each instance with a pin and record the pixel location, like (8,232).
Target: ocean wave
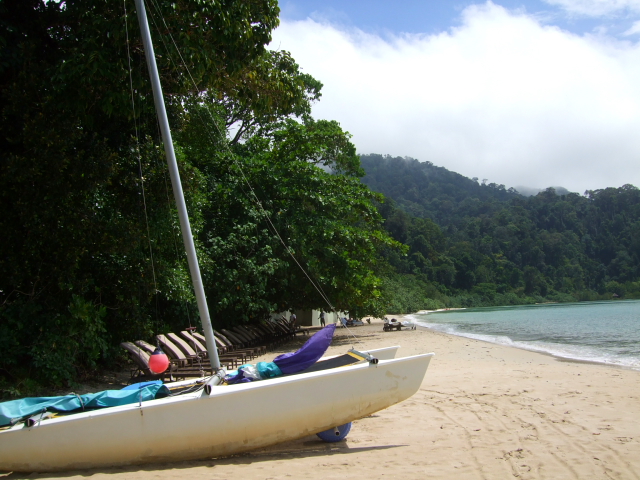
(607,356)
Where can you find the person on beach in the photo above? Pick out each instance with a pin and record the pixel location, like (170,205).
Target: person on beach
(322,318)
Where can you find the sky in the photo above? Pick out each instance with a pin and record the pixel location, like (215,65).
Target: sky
(533,93)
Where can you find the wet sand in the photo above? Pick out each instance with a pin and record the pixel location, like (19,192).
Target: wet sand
(483,411)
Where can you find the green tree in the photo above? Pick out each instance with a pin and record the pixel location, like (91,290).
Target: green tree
(89,257)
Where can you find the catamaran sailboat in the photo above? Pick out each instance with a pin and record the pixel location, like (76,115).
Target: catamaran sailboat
(210,419)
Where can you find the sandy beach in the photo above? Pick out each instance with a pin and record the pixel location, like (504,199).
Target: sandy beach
(483,411)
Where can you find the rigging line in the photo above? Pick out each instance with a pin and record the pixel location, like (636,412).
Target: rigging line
(135,123)
(175,242)
(175,229)
(175,233)
(188,390)
(257,200)
(353,335)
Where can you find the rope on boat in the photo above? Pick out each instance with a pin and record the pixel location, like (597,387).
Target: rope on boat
(139,158)
(79,399)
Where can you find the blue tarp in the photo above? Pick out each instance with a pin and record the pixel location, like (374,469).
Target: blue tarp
(249,372)
(13,411)
(138,386)
(268,370)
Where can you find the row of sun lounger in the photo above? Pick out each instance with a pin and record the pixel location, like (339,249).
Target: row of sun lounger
(188,354)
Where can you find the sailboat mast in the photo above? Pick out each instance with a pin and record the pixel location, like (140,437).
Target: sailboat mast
(176,184)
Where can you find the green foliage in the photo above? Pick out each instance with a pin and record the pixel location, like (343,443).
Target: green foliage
(484,245)
(52,346)
(68,341)
(408,293)
(91,253)
(266,91)
(74,219)
(327,221)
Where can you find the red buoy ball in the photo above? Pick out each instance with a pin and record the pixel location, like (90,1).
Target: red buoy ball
(158,362)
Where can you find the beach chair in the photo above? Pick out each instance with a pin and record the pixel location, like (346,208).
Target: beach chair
(147,347)
(224,360)
(190,352)
(294,327)
(246,340)
(285,327)
(174,352)
(235,358)
(231,347)
(261,337)
(275,338)
(239,343)
(280,332)
(192,334)
(141,359)
(187,360)
(237,346)
(253,338)
(392,324)
(142,372)
(230,356)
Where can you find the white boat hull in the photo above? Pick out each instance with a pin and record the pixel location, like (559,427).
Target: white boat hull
(231,420)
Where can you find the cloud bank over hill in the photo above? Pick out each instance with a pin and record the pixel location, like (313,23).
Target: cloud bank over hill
(502,95)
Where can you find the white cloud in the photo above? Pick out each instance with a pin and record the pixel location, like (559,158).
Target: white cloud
(499,97)
(634,30)
(597,8)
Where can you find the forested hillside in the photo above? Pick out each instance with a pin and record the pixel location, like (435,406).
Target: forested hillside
(425,190)
(481,244)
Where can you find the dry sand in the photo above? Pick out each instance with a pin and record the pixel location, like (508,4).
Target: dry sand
(484,411)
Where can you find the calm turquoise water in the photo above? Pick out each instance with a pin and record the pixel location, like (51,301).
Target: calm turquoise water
(606,332)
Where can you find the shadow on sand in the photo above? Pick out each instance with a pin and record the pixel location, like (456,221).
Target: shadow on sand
(310,446)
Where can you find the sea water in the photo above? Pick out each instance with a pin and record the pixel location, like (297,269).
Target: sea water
(604,332)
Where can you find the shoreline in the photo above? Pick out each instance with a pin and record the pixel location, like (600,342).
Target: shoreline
(483,411)
(558,357)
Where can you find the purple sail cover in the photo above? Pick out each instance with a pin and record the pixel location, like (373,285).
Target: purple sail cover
(308,354)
